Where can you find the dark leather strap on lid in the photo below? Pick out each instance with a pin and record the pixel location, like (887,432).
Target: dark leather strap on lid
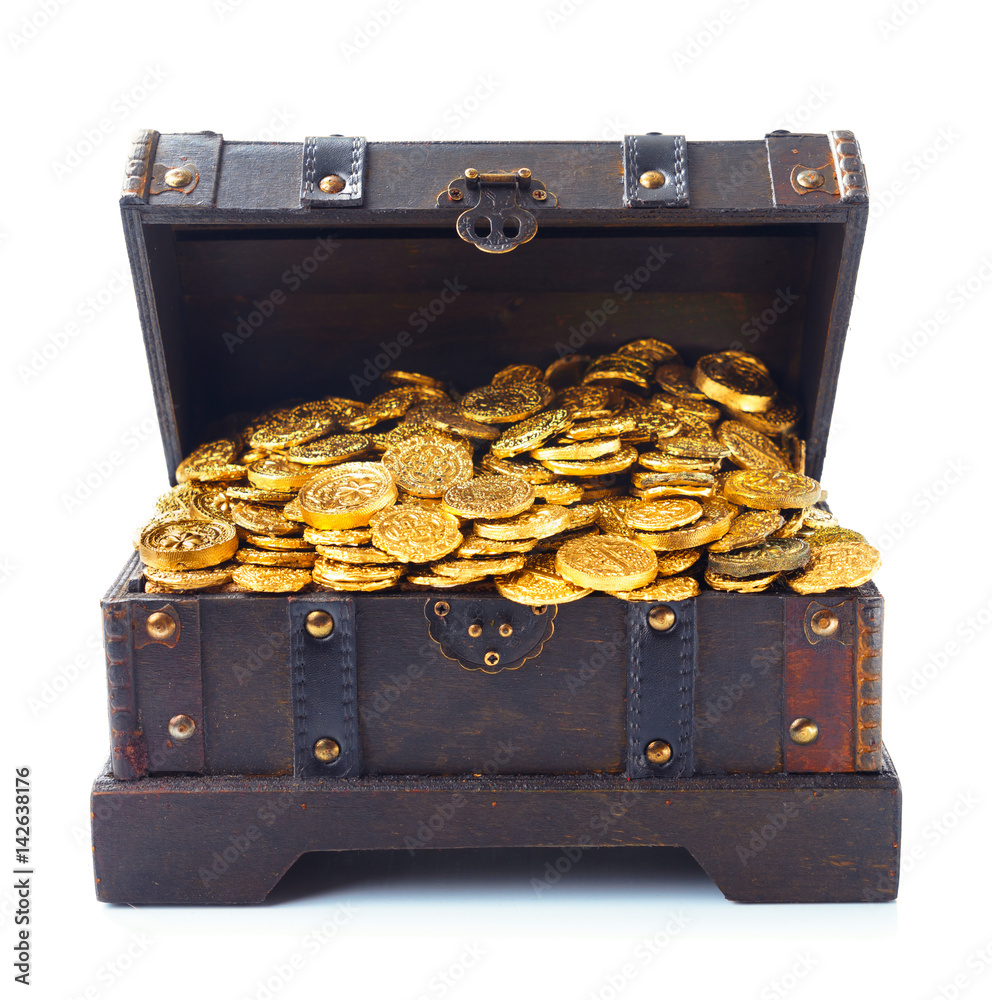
(648,160)
(333,171)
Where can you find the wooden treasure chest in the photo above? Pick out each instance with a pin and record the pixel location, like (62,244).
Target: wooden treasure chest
(303,696)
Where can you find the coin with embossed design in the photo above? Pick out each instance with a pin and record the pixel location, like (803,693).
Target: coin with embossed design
(415,533)
(773,555)
(187,544)
(839,564)
(346,496)
(276,473)
(671,588)
(271,579)
(735,379)
(190,579)
(538,584)
(427,466)
(531,433)
(748,529)
(539,521)
(750,449)
(606,562)
(771,490)
(713,523)
(662,515)
(502,404)
(491,496)
(330,450)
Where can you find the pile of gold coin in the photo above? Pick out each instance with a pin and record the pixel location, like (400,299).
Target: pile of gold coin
(630,474)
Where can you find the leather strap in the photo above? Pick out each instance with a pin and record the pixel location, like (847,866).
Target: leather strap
(329,157)
(661,671)
(663,154)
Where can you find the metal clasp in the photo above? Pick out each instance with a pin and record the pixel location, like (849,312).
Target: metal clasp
(496,221)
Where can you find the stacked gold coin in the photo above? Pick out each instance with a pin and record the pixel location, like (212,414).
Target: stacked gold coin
(632,474)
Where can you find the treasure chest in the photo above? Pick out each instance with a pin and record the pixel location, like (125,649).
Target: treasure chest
(250,728)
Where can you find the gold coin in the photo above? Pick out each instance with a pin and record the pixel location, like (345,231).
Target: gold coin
(793,524)
(781,417)
(621,368)
(773,555)
(672,588)
(355,586)
(252,494)
(750,449)
(683,406)
(338,572)
(796,447)
(211,505)
(178,502)
(476,545)
(610,515)
(190,579)
(292,428)
(651,350)
(606,562)
(518,373)
(416,534)
(771,490)
(606,465)
(713,523)
(261,520)
(538,584)
(353,536)
(671,563)
(817,517)
(447,417)
(357,555)
(426,467)
(479,566)
(559,493)
(275,473)
(270,557)
(530,433)
(330,450)
(674,484)
(676,380)
(657,462)
(354,416)
(279,543)
(585,402)
(412,378)
(209,462)
(735,379)
(410,429)
(187,544)
(521,466)
(540,521)
(271,579)
(502,404)
(436,582)
(747,585)
(574,450)
(833,534)
(748,529)
(662,515)
(838,564)
(589,430)
(490,496)
(683,446)
(346,496)
(291,511)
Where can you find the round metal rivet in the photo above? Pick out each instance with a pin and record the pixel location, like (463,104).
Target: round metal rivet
(181,727)
(661,618)
(506,630)
(178,177)
(475,631)
(160,625)
(538,194)
(651,179)
(824,622)
(471,173)
(441,608)
(803,731)
(809,179)
(319,624)
(331,184)
(455,195)
(658,752)
(327,750)
(491,658)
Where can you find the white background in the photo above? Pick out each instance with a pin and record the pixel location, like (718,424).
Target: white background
(907,463)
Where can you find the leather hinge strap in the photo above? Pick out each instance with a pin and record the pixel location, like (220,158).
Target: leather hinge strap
(661,672)
(655,173)
(333,171)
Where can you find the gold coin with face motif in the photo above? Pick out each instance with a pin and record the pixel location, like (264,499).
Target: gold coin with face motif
(606,562)
(346,496)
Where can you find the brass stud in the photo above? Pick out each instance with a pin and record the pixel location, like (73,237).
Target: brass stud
(160,625)
(803,731)
(824,622)
(441,608)
(661,618)
(810,179)
(475,630)
(327,750)
(471,173)
(178,177)
(658,752)
(538,194)
(181,727)
(319,624)
(331,184)
(652,179)
(506,630)
(540,609)
(523,173)
(491,658)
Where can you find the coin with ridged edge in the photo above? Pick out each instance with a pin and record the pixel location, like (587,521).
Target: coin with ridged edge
(270,557)
(190,579)
(735,379)
(415,533)
(531,433)
(346,496)
(606,562)
(426,467)
(262,520)
(490,496)
(187,544)
(713,523)
(662,515)
(271,579)
(748,529)
(275,473)
(330,450)
(771,490)
(607,465)
(750,449)
(540,521)
(538,584)
(672,588)
(502,404)
(774,555)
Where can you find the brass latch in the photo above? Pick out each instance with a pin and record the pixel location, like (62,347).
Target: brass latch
(496,221)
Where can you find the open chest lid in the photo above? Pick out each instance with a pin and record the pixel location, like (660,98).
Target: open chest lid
(268,271)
